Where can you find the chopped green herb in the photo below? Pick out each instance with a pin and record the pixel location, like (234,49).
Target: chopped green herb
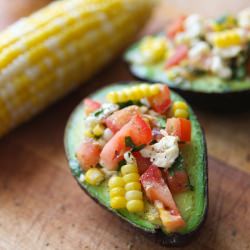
(98,112)
(128,103)
(177,166)
(129,143)
(161,122)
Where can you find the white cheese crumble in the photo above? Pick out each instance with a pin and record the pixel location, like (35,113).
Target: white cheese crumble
(163,153)
(107,110)
(220,68)
(129,158)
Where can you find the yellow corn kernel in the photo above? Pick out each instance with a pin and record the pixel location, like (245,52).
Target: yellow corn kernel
(180,105)
(133,186)
(117,191)
(135,206)
(88,133)
(129,168)
(181,113)
(145,89)
(98,130)
(122,96)
(112,97)
(133,195)
(116,181)
(155,89)
(226,38)
(118,202)
(94,176)
(133,177)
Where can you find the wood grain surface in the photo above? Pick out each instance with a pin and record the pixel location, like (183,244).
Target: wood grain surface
(41,206)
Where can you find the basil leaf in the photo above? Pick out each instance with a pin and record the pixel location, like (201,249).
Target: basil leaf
(98,112)
(129,143)
(138,148)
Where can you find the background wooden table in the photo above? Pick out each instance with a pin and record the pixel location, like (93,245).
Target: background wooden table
(41,206)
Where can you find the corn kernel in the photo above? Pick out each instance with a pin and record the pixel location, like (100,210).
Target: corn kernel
(116,181)
(112,97)
(133,177)
(133,195)
(133,186)
(118,202)
(129,168)
(154,89)
(122,96)
(94,176)
(135,206)
(180,105)
(181,113)
(98,130)
(117,191)
(88,133)
(145,89)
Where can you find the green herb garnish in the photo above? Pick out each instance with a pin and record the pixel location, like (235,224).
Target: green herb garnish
(98,112)
(129,143)
(178,165)
(161,122)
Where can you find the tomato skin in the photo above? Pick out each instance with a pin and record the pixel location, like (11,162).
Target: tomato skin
(178,182)
(119,118)
(162,101)
(137,129)
(88,154)
(175,27)
(180,127)
(142,163)
(180,54)
(90,105)
(157,189)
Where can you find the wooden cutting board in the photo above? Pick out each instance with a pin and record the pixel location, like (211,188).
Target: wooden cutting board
(41,206)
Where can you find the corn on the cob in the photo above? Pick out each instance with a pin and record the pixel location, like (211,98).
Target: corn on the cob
(227,38)
(44,56)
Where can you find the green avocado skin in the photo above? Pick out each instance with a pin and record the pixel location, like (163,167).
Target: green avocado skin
(193,204)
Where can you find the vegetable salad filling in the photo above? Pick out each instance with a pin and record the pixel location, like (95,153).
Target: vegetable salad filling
(194,46)
(133,143)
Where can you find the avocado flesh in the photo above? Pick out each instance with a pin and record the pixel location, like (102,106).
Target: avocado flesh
(192,204)
(201,83)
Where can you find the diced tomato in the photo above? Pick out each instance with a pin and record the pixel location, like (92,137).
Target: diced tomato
(142,163)
(90,105)
(140,133)
(88,154)
(171,222)
(175,27)
(180,54)
(180,127)
(162,101)
(157,189)
(178,182)
(119,118)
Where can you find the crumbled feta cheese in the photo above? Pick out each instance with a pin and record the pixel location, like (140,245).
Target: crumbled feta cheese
(107,134)
(194,26)
(162,153)
(107,110)
(244,18)
(129,158)
(228,52)
(219,68)
(199,50)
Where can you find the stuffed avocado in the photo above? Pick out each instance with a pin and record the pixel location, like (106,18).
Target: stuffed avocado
(142,155)
(198,55)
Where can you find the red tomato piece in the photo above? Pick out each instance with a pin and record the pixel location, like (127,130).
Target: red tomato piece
(180,127)
(157,189)
(90,105)
(175,27)
(140,133)
(119,118)
(88,154)
(142,163)
(162,101)
(178,182)
(180,54)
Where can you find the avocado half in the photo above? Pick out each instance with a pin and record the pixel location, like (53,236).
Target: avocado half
(204,90)
(193,204)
